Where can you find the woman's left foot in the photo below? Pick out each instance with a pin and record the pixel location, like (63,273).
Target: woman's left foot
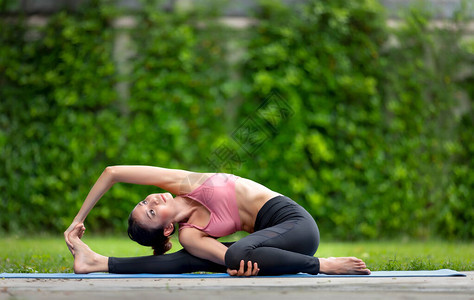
(86,260)
(343,265)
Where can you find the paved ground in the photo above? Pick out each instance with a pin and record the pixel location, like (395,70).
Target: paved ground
(241,288)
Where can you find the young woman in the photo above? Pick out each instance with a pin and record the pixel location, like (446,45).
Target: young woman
(283,236)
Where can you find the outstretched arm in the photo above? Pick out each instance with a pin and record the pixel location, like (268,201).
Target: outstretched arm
(168,179)
(101,186)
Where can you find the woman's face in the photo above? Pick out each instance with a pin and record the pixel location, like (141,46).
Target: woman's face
(155,211)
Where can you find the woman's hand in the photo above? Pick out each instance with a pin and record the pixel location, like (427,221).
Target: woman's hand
(241,272)
(66,235)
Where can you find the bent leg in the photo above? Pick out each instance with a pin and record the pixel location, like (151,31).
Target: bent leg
(274,261)
(285,248)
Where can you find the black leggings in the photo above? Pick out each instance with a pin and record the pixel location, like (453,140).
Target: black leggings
(285,239)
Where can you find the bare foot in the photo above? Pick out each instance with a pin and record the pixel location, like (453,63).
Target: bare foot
(343,266)
(86,260)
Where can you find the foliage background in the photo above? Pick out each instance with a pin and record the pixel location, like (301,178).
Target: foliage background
(378,143)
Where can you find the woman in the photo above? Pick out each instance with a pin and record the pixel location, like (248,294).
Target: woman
(283,236)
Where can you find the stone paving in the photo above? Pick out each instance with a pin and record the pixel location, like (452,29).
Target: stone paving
(241,288)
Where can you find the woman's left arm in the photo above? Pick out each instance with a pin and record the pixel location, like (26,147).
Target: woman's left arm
(201,245)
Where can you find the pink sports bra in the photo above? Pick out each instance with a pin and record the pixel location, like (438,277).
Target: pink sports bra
(217,194)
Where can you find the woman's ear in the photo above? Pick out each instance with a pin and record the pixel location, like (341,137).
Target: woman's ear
(168,229)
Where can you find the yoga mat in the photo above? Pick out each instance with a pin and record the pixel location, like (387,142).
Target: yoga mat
(437,273)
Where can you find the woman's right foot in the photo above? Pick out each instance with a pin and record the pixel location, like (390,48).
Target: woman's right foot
(86,260)
(343,266)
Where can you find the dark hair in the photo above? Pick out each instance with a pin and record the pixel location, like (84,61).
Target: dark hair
(149,237)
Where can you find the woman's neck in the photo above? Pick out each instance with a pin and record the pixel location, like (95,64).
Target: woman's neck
(184,209)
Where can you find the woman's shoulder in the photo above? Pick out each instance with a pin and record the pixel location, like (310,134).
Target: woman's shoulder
(192,181)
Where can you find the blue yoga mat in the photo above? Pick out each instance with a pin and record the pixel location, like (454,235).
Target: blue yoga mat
(437,273)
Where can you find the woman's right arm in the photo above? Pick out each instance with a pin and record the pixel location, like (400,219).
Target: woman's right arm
(171,180)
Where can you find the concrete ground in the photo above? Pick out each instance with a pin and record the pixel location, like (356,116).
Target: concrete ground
(241,288)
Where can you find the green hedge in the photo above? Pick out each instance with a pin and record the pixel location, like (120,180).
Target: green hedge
(375,148)
(368,127)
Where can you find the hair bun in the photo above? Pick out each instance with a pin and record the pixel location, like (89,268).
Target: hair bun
(162,248)
(168,246)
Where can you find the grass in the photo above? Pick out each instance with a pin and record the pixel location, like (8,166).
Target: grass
(50,254)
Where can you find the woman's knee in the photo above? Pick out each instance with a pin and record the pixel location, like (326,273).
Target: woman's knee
(235,254)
